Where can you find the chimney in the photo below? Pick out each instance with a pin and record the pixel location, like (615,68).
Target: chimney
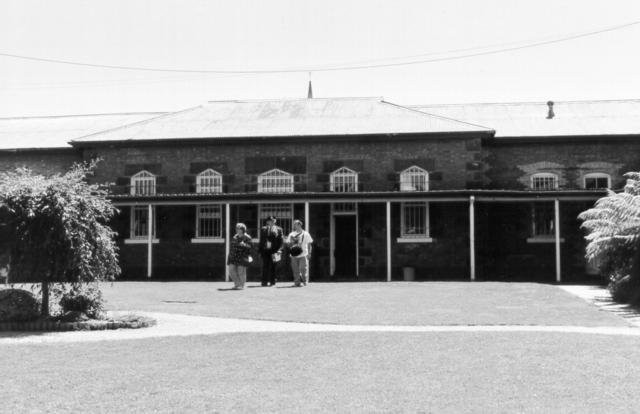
(550,114)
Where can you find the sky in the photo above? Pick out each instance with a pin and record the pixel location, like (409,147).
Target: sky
(241,35)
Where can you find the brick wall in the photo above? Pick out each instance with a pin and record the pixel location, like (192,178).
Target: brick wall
(510,165)
(45,162)
(453,163)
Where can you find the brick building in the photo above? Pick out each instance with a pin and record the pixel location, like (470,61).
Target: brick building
(481,192)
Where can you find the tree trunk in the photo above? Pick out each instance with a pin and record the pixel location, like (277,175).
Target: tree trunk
(45,299)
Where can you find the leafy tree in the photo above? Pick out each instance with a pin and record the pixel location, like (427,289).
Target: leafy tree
(58,227)
(613,226)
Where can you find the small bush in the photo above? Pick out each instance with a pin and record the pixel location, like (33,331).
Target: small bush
(87,301)
(17,305)
(624,288)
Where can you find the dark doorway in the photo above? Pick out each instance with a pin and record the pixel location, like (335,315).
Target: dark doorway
(345,246)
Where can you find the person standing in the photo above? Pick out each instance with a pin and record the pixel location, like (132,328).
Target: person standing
(299,242)
(239,256)
(271,239)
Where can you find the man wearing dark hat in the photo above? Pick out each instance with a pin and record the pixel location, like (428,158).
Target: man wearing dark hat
(271,239)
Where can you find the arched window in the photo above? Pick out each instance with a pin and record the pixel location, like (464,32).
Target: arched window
(275,181)
(209,181)
(143,183)
(544,181)
(414,179)
(344,180)
(594,181)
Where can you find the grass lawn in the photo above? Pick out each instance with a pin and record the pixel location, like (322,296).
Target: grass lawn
(454,372)
(395,303)
(328,372)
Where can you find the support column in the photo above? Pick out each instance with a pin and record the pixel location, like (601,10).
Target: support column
(308,228)
(227,239)
(357,236)
(472,238)
(150,231)
(557,227)
(388,241)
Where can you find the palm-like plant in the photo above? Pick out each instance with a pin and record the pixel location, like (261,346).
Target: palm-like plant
(613,227)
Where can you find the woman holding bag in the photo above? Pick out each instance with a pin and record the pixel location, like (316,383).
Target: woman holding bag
(299,242)
(239,256)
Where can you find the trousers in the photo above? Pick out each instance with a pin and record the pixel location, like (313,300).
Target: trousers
(268,270)
(238,275)
(300,268)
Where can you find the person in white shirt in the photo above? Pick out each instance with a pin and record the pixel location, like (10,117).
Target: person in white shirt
(299,242)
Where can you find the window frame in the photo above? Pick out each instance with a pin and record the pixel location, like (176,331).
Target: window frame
(217,216)
(143,238)
(343,173)
(142,177)
(535,208)
(596,176)
(405,236)
(277,209)
(544,175)
(209,174)
(276,174)
(407,176)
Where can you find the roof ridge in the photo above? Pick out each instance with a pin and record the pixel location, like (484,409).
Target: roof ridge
(82,115)
(524,102)
(167,114)
(437,116)
(378,98)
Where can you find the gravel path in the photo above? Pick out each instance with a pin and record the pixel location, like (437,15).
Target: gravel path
(172,325)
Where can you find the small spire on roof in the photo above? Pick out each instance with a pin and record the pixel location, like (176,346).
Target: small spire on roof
(310,89)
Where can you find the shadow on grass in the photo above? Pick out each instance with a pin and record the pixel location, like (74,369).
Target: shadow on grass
(21,334)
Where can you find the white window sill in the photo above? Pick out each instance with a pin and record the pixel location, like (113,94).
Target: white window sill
(217,240)
(141,241)
(414,240)
(543,240)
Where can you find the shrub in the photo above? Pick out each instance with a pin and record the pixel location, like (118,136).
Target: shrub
(86,300)
(17,305)
(58,228)
(613,227)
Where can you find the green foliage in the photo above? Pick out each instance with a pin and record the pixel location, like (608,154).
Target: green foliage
(84,299)
(17,305)
(613,226)
(58,227)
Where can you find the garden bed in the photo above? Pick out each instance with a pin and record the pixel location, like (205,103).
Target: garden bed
(53,325)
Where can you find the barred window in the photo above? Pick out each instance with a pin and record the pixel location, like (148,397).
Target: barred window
(143,183)
(139,222)
(209,181)
(594,181)
(414,179)
(209,221)
(415,220)
(275,181)
(544,181)
(282,212)
(344,180)
(543,222)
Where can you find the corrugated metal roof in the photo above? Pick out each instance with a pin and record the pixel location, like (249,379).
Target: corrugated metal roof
(577,118)
(57,131)
(285,118)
